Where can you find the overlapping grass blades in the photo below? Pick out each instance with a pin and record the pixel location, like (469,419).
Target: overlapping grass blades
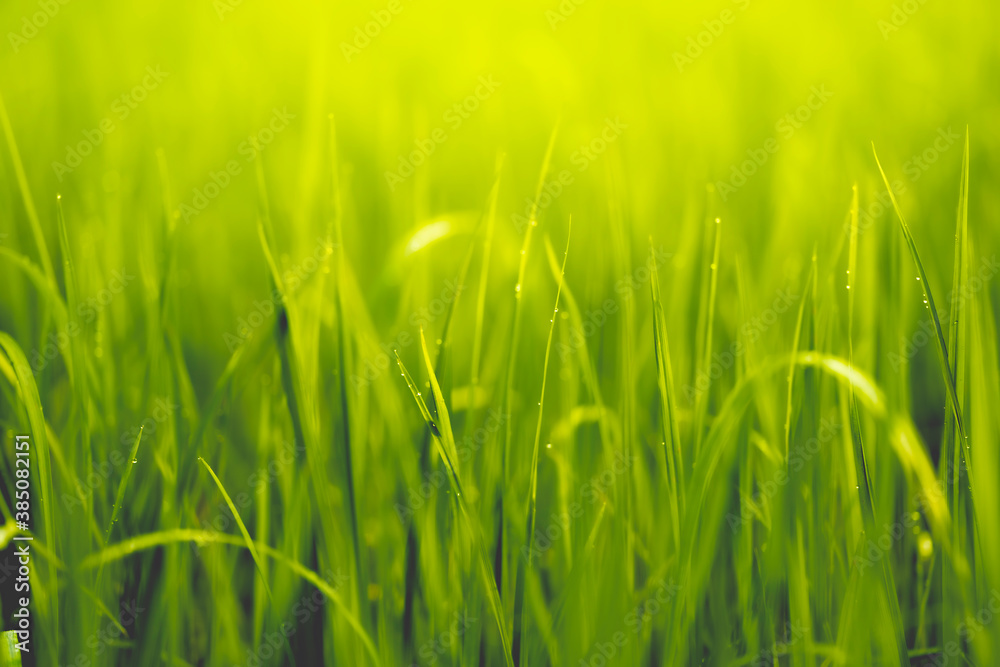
(941,346)
(444,439)
(139,543)
(524,563)
(48,598)
(672,449)
(887,588)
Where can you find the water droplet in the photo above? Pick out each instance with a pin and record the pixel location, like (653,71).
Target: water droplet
(517,287)
(918,277)
(135,460)
(548,446)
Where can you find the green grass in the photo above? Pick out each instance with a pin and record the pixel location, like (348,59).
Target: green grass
(326,421)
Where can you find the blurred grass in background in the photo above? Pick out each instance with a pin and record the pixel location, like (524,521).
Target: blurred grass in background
(702,507)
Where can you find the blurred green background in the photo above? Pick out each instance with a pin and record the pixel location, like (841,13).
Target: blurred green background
(669,115)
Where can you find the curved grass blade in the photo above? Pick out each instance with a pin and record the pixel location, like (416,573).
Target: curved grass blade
(703,508)
(250,545)
(239,522)
(139,543)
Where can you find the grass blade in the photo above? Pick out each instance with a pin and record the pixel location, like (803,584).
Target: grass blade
(864,481)
(141,543)
(239,522)
(445,441)
(942,348)
(124,483)
(524,564)
(672,450)
(36,420)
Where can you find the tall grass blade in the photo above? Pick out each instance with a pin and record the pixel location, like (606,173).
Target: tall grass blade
(864,481)
(942,348)
(524,564)
(445,441)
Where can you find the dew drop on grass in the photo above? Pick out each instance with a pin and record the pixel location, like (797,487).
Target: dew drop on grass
(135,461)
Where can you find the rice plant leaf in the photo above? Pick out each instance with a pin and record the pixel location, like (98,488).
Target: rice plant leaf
(239,522)
(444,440)
(864,480)
(942,348)
(524,564)
(139,543)
(672,451)
(129,464)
